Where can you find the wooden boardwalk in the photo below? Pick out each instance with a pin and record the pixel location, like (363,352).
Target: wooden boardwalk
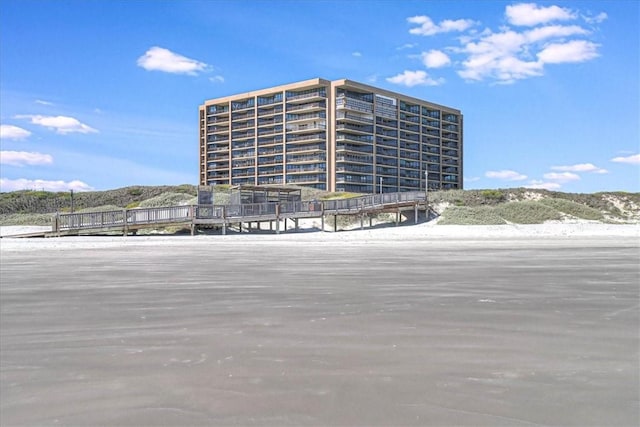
(128,221)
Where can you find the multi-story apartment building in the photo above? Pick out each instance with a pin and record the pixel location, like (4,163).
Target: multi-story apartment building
(332,135)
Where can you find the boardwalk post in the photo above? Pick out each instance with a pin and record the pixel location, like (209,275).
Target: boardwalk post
(224,221)
(278,219)
(335,223)
(126,223)
(397,216)
(415,212)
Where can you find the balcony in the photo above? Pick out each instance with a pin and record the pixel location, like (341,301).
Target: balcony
(302,138)
(307,95)
(242,116)
(361,130)
(270,171)
(386,152)
(306,128)
(269,180)
(301,148)
(354,159)
(350,117)
(409,155)
(270,131)
(270,141)
(364,139)
(354,168)
(265,112)
(218,148)
(355,148)
(262,161)
(409,146)
(386,161)
(320,167)
(244,154)
(274,120)
(307,107)
(246,144)
(306,158)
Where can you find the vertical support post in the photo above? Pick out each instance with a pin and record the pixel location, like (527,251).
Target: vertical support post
(224,221)
(370,221)
(296,223)
(397,217)
(322,222)
(278,219)
(415,213)
(362,221)
(126,222)
(335,223)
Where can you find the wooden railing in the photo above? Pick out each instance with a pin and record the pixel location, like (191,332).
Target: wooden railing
(134,218)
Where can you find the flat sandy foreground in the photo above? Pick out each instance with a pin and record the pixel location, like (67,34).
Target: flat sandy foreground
(394,326)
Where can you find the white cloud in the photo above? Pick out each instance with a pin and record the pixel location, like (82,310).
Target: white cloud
(406,46)
(581,167)
(509,54)
(428,28)
(357,54)
(507,175)
(7,185)
(21,158)
(632,160)
(561,176)
(216,79)
(414,78)
(573,51)
(435,59)
(541,185)
(161,59)
(553,31)
(13,132)
(530,14)
(61,124)
(601,17)
(41,102)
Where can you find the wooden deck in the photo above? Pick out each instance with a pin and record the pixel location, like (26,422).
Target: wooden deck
(128,221)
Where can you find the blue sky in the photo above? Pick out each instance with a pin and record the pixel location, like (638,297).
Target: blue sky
(105,94)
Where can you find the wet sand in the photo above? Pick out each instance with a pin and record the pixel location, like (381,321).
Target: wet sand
(341,329)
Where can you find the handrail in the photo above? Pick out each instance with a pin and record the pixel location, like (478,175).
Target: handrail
(126,218)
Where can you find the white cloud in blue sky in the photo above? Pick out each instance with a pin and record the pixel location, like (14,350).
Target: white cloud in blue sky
(42,184)
(161,59)
(22,158)
(529,14)
(415,78)
(435,59)
(60,124)
(548,90)
(632,160)
(506,175)
(13,132)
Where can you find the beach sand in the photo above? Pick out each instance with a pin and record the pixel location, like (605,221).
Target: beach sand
(412,325)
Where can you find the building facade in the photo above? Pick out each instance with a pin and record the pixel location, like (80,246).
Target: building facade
(332,135)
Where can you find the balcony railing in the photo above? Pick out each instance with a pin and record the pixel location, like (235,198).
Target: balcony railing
(313,105)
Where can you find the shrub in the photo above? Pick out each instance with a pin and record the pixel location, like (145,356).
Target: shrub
(574,209)
(492,195)
(465,215)
(527,212)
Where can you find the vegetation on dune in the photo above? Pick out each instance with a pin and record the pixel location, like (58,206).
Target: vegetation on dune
(28,201)
(168,199)
(527,212)
(488,207)
(471,215)
(574,209)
